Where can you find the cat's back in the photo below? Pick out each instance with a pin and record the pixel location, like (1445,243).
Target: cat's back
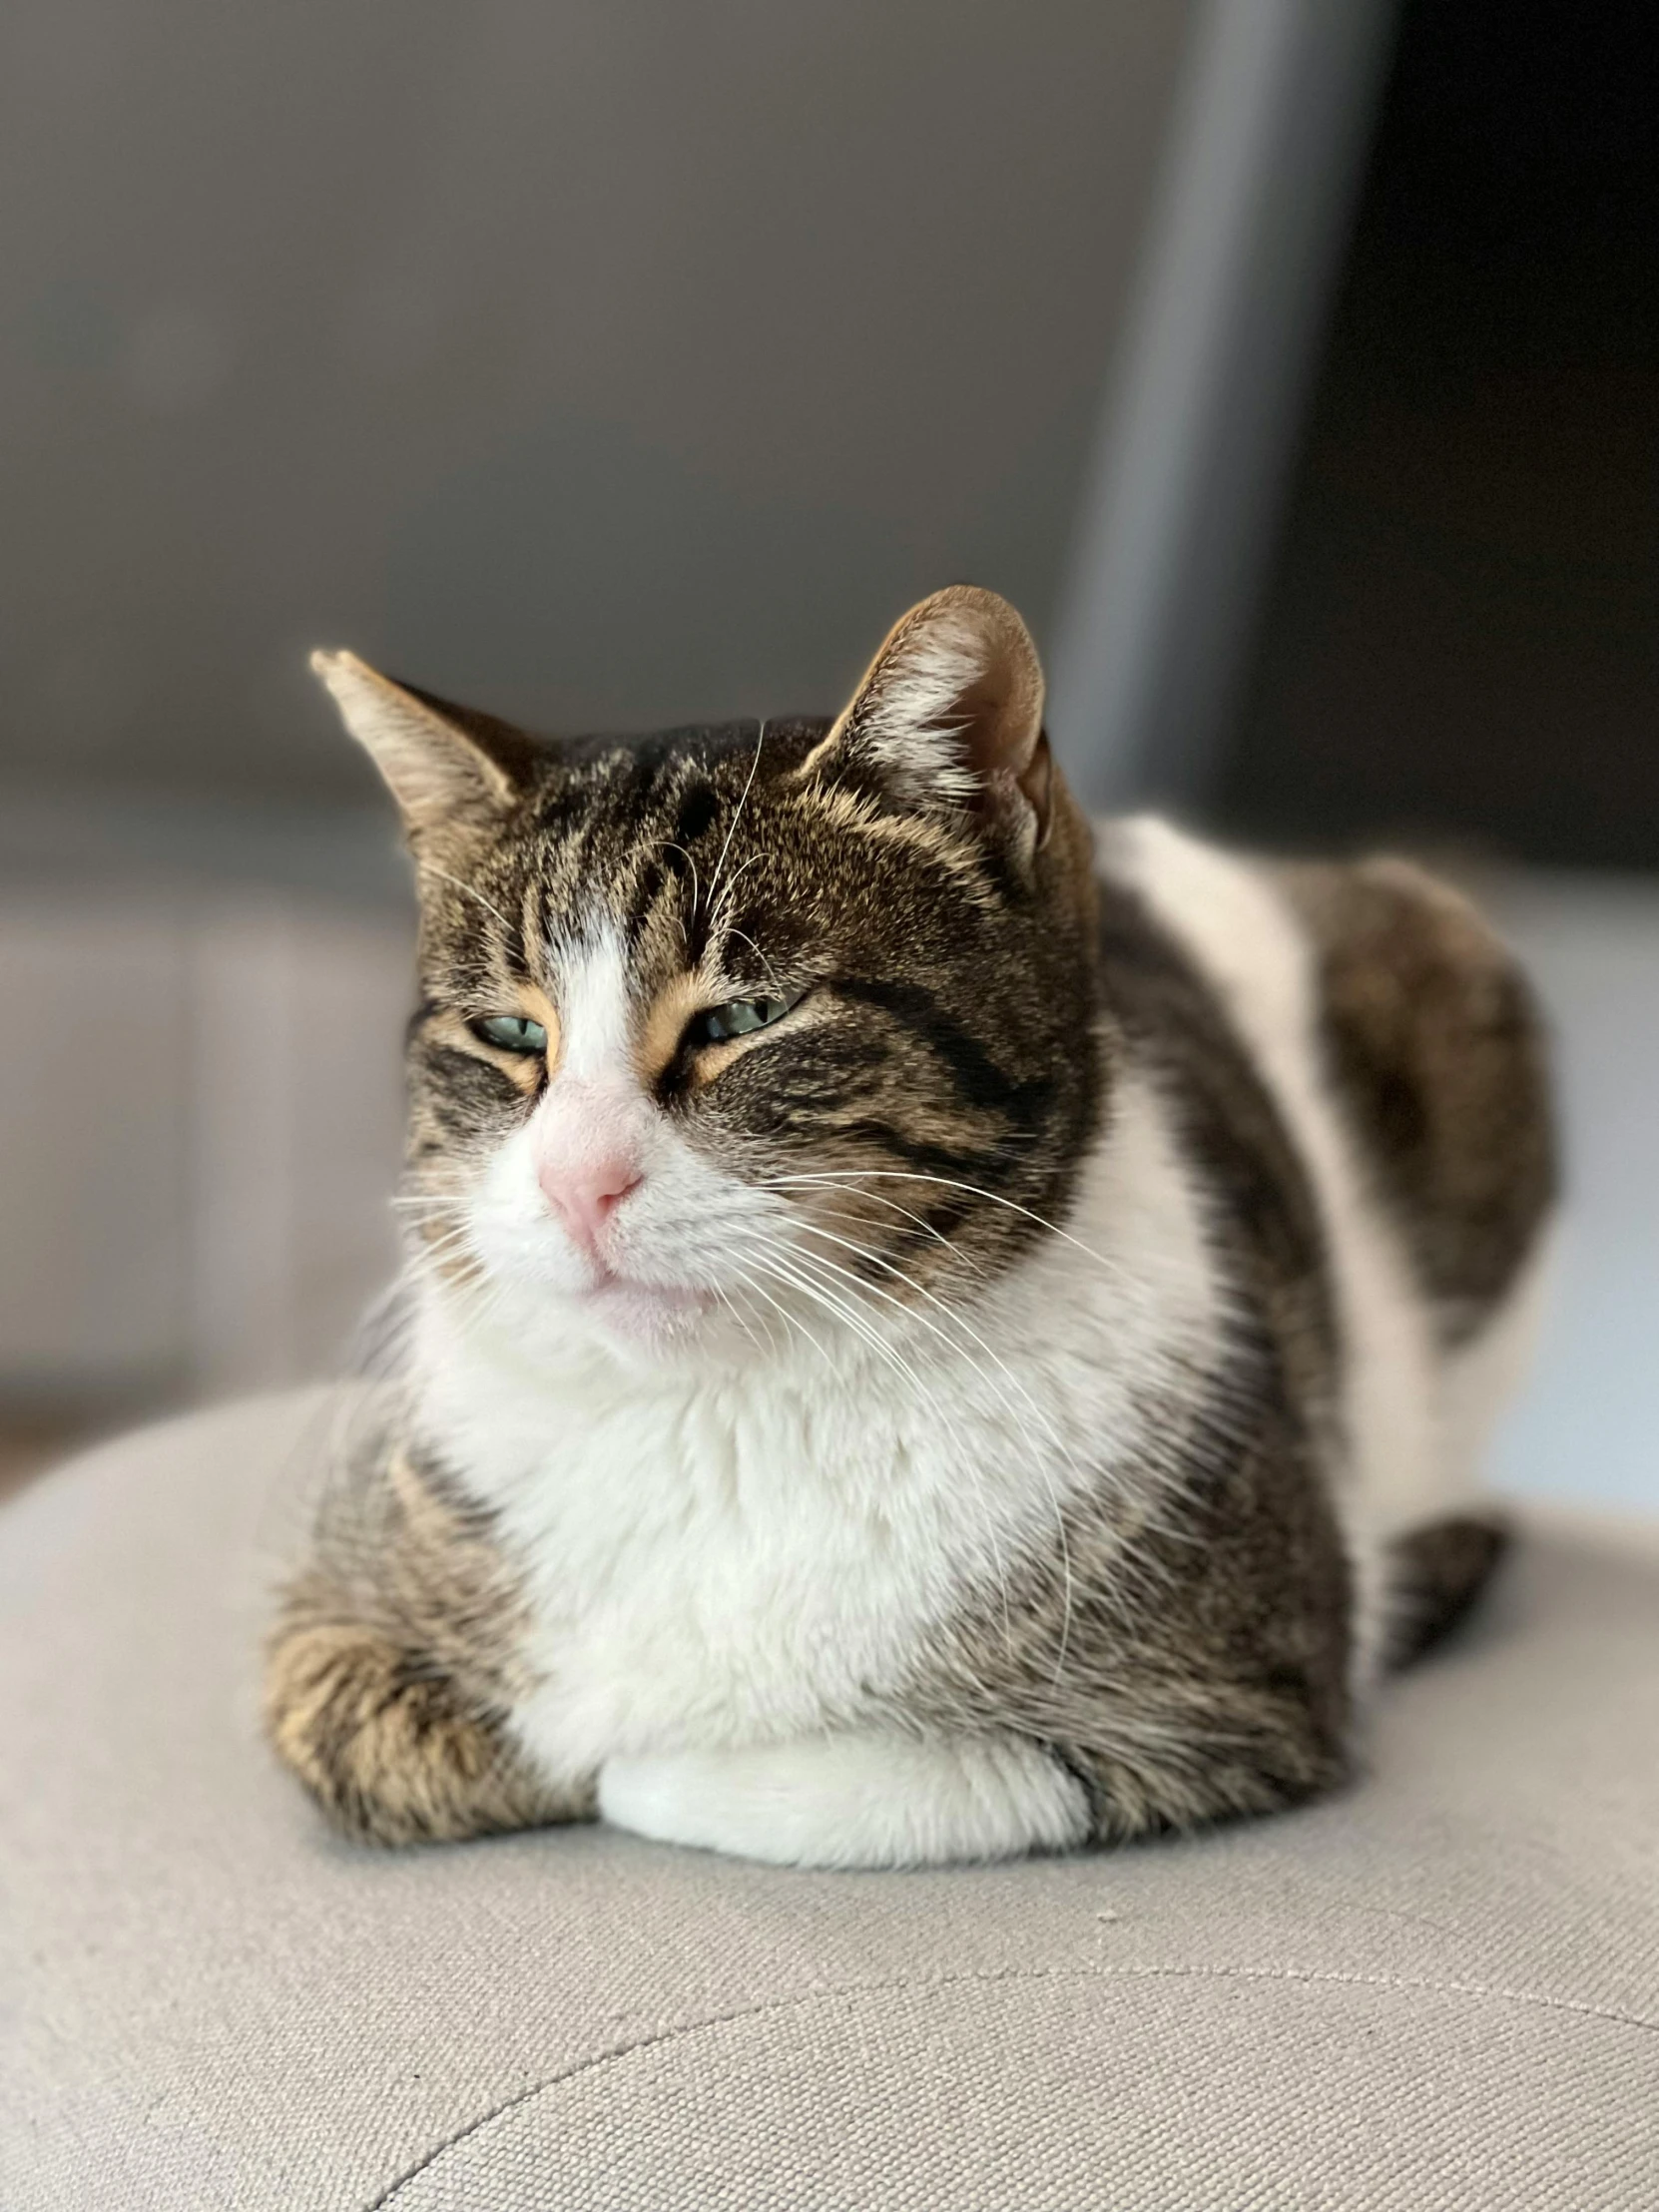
(1368,1014)
(1431,1042)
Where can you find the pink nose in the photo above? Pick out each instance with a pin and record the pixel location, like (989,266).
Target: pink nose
(585,1197)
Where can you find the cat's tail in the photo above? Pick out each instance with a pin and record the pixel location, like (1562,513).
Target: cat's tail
(1436,1573)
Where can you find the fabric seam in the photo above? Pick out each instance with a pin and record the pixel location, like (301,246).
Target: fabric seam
(679,2029)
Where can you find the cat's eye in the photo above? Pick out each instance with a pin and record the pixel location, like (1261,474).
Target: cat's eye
(737,1019)
(511,1033)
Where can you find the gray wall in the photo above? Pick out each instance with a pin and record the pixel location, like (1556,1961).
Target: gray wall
(606,363)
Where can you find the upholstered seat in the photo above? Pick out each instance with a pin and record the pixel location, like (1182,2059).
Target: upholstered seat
(1440,1991)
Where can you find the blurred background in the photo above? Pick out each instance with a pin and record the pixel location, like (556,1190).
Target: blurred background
(1295,367)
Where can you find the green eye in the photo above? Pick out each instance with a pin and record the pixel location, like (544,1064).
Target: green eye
(511,1033)
(736,1019)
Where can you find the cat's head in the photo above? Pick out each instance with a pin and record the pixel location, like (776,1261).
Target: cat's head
(746,1033)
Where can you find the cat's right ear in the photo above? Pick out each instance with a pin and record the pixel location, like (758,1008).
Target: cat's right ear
(445,766)
(949,718)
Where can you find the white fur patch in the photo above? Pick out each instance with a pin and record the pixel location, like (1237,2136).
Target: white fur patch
(907,724)
(593,1009)
(852,1801)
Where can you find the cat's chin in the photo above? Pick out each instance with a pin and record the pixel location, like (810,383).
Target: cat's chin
(618,1318)
(645,1317)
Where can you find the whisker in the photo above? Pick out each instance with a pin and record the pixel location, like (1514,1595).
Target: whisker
(930,1402)
(731,827)
(850,1178)
(790,1320)
(772,973)
(730,1304)
(431,867)
(449,1237)
(1003,1368)
(668,845)
(772,1341)
(1172,1463)
(957,1262)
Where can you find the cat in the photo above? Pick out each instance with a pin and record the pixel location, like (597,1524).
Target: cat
(931,1332)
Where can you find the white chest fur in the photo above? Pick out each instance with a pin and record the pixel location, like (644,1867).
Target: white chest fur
(749,1554)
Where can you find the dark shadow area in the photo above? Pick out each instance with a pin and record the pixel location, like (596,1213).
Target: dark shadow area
(1459,637)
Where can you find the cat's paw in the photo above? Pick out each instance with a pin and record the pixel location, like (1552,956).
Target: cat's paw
(852,1801)
(388,1744)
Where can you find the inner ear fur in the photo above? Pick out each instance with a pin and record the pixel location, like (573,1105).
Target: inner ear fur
(444,765)
(950,711)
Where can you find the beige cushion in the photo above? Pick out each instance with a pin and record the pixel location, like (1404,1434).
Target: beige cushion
(1440,1992)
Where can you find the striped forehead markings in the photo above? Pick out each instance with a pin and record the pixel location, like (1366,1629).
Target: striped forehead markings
(698,805)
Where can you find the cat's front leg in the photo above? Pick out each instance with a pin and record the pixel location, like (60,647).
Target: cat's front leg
(392,1746)
(876,1800)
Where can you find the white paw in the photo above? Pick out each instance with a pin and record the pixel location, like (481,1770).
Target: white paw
(851,1801)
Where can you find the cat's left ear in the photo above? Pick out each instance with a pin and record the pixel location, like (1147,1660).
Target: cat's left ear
(445,766)
(949,716)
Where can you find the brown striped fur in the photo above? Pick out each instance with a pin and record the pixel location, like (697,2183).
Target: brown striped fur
(1434,1046)
(395,1661)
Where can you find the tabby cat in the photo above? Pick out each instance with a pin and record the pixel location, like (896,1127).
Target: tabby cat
(927,1333)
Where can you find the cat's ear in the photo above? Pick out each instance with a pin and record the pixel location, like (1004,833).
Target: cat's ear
(443,764)
(950,716)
